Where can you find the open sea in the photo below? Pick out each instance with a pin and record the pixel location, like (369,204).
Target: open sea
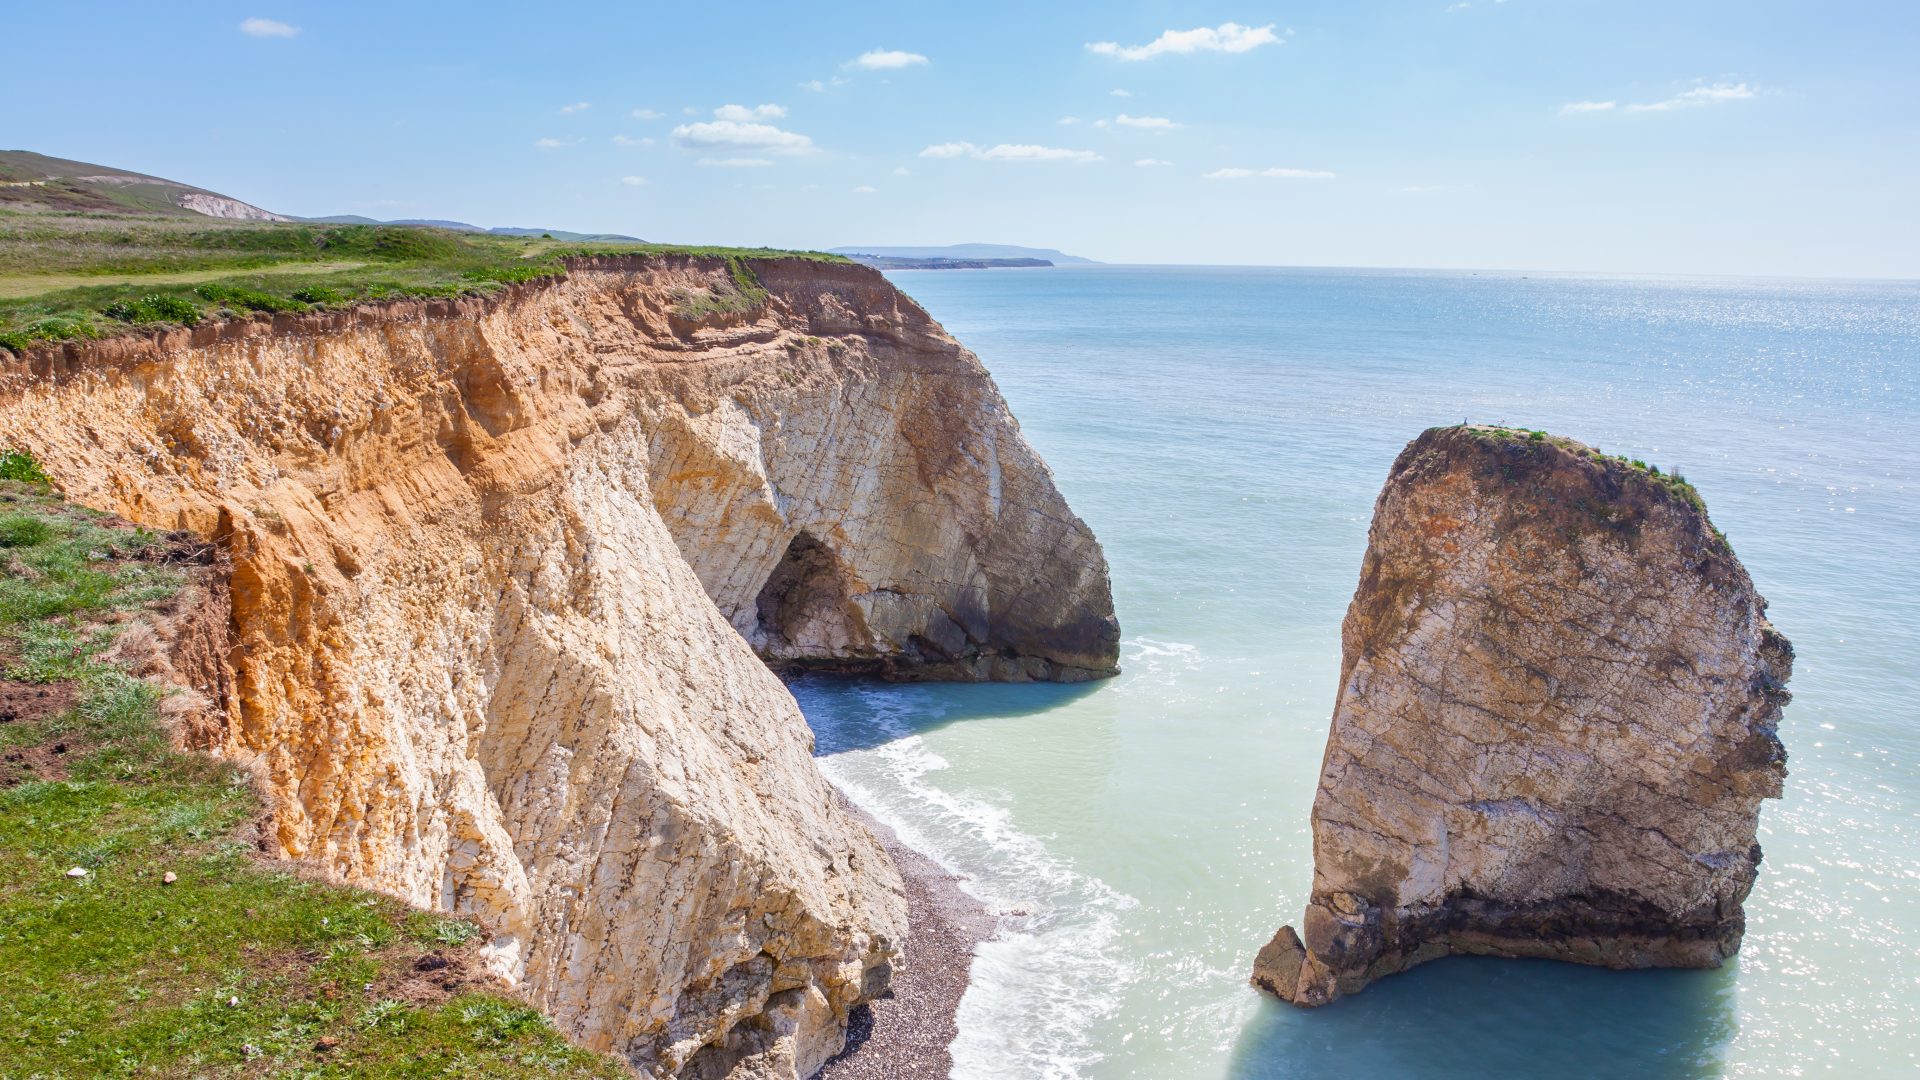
(1225,431)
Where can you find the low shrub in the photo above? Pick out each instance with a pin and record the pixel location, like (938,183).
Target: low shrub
(319,295)
(244,299)
(21,466)
(155,308)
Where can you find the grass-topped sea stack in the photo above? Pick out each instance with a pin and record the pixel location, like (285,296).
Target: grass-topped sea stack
(1555,724)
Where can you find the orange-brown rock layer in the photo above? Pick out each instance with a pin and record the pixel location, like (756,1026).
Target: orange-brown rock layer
(500,571)
(1555,726)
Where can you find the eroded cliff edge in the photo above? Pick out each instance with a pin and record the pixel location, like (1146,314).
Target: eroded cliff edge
(496,567)
(1556,722)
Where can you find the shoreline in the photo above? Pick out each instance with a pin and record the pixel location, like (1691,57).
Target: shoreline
(905,1035)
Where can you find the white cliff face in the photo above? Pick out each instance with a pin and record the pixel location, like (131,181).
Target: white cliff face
(1555,726)
(497,568)
(876,510)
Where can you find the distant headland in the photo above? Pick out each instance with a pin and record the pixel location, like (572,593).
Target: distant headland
(959,257)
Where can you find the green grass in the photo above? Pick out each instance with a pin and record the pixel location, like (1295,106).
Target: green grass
(239,967)
(131,268)
(740,294)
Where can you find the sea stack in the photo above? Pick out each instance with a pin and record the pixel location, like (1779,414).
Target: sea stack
(1556,722)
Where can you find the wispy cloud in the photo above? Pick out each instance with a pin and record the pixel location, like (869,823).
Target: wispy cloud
(1148,123)
(553,144)
(1119,93)
(902,170)
(1008,152)
(267,28)
(1067,121)
(647,114)
(886,60)
(737,127)
(628,140)
(736,162)
(1148,163)
(1278,174)
(865,189)
(1226,38)
(757,112)
(576,107)
(634,181)
(1700,96)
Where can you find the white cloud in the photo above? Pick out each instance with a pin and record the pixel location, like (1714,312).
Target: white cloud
(578,106)
(647,114)
(1461,6)
(758,112)
(1717,94)
(1008,152)
(552,144)
(1030,152)
(633,181)
(736,162)
(1572,108)
(740,135)
(1069,120)
(266,28)
(813,86)
(1227,38)
(628,140)
(1120,93)
(902,170)
(1279,174)
(1149,123)
(864,189)
(1148,163)
(886,60)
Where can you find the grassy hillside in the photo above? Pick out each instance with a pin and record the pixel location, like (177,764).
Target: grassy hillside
(30,181)
(140,932)
(76,276)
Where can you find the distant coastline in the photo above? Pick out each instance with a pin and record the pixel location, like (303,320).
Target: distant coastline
(895,262)
(991,255)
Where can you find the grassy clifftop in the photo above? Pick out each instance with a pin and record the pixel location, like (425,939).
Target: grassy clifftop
(67,276)
(141,933)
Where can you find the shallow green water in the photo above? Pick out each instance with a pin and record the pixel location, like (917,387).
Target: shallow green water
(1225,433)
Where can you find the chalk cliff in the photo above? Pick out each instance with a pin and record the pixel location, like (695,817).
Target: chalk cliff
(501,568)
(1555,724)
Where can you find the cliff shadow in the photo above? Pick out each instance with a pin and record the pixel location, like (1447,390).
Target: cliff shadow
(1488,1019)
(850,713)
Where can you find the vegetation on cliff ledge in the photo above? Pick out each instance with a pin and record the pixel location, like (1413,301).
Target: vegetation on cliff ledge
(66,276)
(1672,482)
(140,931)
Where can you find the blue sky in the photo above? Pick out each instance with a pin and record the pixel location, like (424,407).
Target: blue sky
(1680,136)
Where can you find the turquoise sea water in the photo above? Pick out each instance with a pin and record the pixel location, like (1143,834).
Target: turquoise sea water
(1225,432)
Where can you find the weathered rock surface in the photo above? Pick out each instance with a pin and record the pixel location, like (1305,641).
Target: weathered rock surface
(496,568)
(1555,726)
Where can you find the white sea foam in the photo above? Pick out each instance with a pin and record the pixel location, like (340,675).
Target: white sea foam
(1048,976)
